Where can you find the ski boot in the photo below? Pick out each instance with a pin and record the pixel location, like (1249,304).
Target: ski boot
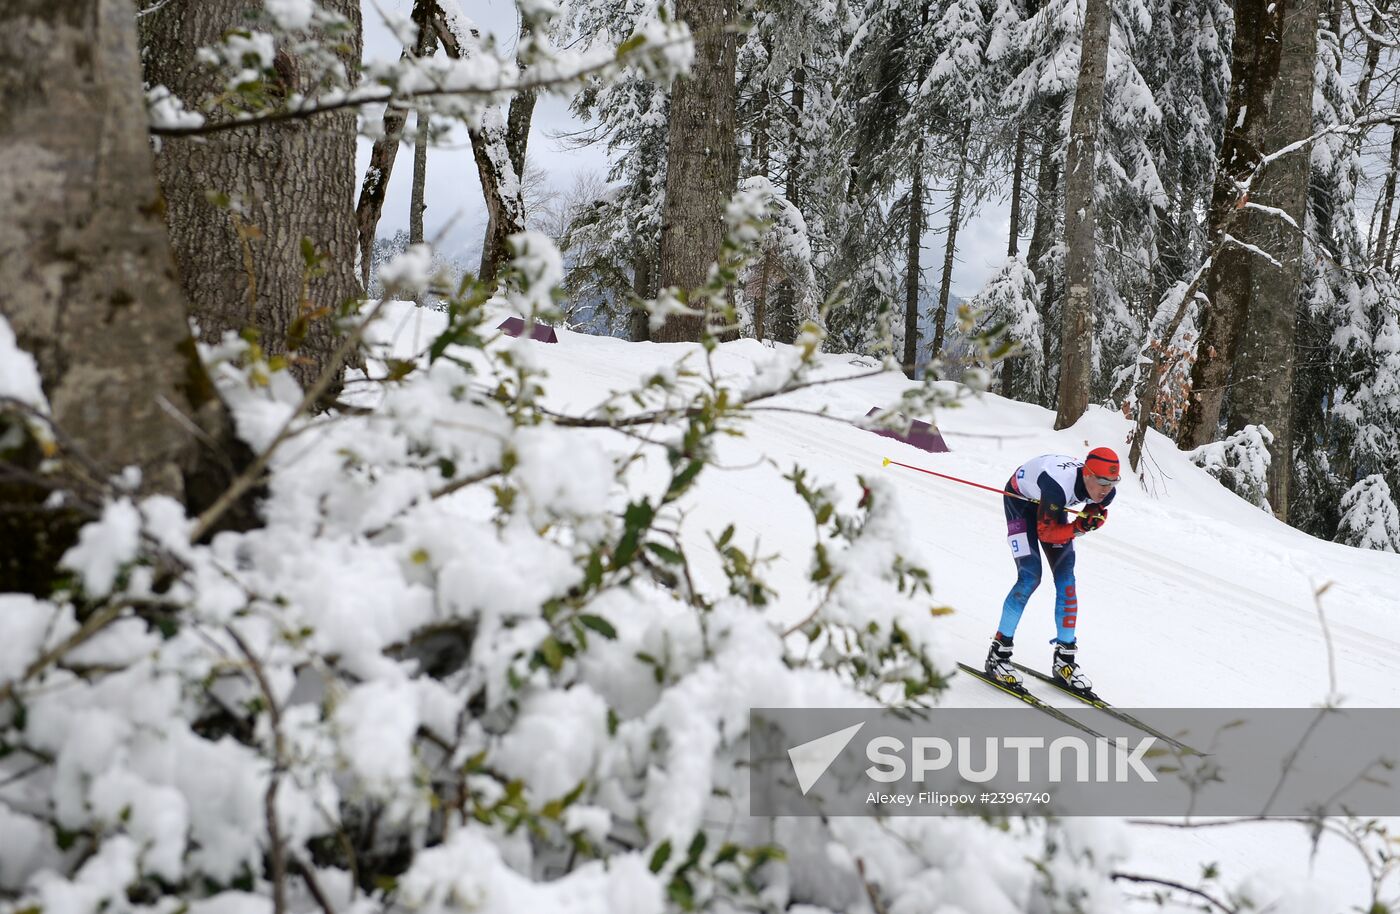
(998,665)
(1066,669)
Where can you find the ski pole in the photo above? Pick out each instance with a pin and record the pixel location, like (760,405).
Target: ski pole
(978,485)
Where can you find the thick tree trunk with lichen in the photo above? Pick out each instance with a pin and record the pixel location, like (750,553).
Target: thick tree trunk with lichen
(1253,297)
(89,285)
(702,160)
(1077,330)
(501,188)
(1261,372)
(242,203)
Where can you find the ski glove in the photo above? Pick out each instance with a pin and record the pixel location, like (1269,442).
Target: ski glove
(1052,533)
(1091,518)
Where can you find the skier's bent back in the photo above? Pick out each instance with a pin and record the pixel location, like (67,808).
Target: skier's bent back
(1055,482)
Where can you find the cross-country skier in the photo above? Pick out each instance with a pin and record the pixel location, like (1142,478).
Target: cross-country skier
(1056,482)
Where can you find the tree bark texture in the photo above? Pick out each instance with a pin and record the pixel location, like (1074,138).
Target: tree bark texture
(784,319)
(1047,193)
(701,158)
(644,287)
(87,281)
(241,264)
(950,247)
(1076,332)
(912,271)
(500,161)
(1373,55)
(1018,168)
(417,203)
(381,158)
(1273,56)
(1263,369)
(522,110)
(501,188)
(1382,247)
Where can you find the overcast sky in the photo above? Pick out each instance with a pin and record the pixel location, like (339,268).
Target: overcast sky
(455,217)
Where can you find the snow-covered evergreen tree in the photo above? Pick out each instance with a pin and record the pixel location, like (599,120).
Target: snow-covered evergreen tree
(1009,305)
(1348,400)
(1370,519)
(1240,463)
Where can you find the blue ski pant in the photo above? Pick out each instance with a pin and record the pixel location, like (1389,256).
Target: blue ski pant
(1025,550)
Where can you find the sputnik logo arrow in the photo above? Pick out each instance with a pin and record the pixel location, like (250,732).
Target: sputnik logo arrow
(810,760)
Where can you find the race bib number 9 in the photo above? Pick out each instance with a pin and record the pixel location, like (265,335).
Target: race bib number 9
(1020,544)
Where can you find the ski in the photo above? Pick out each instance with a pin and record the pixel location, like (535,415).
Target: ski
(1094,701)
(1032,701)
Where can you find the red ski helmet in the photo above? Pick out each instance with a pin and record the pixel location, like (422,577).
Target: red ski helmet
(1102,462)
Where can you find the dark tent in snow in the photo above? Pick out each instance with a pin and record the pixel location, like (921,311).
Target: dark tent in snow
(921,435)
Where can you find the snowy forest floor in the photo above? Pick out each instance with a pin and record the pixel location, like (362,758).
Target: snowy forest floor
(1189,597)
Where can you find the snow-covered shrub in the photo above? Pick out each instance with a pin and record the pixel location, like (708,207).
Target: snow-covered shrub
(1240,463)
(1370,519)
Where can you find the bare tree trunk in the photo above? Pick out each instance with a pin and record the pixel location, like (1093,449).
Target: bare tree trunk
(381,158)
(799,102)
(500,185)
(644,286)
(88,278)
(1381,248)
(1047,193)
(940,316)
(760,301)
(500,160)
(1373,55)
(785,318)
(1018,167)
(760,155)
(416,203)
(241,264)
(701,158)
(522,110)
(1010,365)
(912,271)
(1265,82)
(427,46)
(1047,189)
(1264,365)
(1077,331)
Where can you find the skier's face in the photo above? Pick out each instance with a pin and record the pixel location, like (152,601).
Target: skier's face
(1097,486)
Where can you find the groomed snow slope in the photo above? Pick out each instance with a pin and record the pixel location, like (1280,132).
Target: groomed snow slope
(1189,597)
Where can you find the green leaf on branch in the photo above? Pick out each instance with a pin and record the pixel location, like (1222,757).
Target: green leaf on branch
(665,553)
(636,520)
(600,625)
